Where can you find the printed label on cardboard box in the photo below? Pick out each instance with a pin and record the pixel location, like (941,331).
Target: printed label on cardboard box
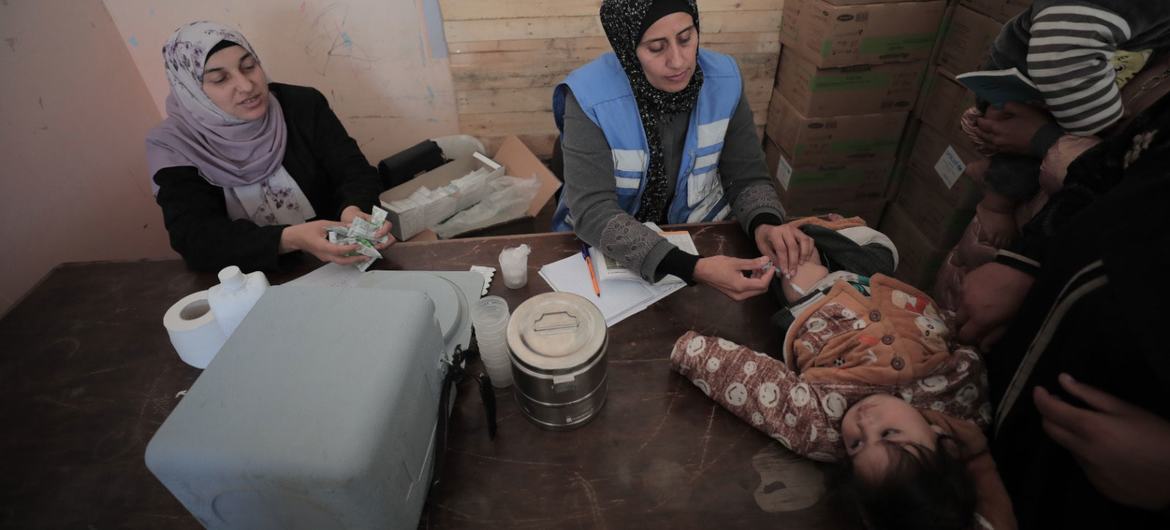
(950,167)
(852,147)
(850,81)
(832,176)
(898,44)
(784,172)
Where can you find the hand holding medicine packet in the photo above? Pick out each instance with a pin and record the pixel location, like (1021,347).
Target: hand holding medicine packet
(361,232)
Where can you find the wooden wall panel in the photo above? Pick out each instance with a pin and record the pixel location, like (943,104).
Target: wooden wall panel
(484,9)
(507,55)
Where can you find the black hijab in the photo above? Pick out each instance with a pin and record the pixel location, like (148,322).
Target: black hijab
(625,21)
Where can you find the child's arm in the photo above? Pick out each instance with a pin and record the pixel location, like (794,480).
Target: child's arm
(764,393)
(804,278)
(1069,49)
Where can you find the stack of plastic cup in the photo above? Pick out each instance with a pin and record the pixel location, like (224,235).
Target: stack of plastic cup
(490,318)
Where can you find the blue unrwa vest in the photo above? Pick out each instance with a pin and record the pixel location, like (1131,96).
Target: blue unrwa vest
(603,91)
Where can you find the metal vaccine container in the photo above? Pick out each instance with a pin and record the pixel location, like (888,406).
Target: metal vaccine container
(558,344)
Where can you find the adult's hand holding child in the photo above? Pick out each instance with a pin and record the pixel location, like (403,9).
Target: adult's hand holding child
(786,245)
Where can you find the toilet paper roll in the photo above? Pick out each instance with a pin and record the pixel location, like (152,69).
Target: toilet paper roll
(193,330)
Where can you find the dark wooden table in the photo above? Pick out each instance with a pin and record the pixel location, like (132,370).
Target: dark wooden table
(88,374)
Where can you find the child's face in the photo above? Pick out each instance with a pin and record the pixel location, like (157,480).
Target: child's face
(872,424)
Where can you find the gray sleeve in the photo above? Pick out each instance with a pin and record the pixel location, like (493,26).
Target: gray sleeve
(591,195)
(743,172)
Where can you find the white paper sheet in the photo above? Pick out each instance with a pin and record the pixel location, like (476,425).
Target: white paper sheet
(619,298)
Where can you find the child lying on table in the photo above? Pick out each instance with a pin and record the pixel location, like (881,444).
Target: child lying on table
(868,373)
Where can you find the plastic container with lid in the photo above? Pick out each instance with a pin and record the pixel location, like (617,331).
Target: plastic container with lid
(235,295)
(558,344)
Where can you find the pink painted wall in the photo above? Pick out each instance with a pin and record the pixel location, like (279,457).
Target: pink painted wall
(74,110)
(82,82)
(375,60)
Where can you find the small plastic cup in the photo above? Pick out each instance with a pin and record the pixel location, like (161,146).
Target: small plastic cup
(514,266)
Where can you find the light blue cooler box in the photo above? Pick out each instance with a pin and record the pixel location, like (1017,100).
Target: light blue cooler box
(319,412)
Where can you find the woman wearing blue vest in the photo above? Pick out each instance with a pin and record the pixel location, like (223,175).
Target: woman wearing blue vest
(661,131)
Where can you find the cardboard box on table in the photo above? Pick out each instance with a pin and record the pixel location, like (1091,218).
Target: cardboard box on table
(860,89)
(845,35)
(1001,10)
(831,139)
(967,43)
(515,160)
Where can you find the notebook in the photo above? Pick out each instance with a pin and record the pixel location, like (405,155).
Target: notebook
(623,294)
(1001,86)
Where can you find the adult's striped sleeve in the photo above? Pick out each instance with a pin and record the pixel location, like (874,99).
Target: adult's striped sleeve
(1069,59)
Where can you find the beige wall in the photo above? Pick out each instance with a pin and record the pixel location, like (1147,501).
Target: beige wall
(371,58)
(74,111)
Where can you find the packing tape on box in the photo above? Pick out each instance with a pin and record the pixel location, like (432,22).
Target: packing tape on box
(193,329)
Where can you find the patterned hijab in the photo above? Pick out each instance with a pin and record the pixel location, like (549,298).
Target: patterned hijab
(625,21)
(228,151)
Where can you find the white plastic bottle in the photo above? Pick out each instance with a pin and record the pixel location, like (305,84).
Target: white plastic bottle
(235,295)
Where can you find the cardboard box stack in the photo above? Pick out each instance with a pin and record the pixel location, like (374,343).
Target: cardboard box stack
(849,75)
(934,200)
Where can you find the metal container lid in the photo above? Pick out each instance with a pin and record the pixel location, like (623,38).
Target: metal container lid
(554,332)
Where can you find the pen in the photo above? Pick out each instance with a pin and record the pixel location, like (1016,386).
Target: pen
(589,264)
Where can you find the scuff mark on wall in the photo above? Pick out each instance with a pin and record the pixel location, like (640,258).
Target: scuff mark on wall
(11,43)
(327,37)
(141,185)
